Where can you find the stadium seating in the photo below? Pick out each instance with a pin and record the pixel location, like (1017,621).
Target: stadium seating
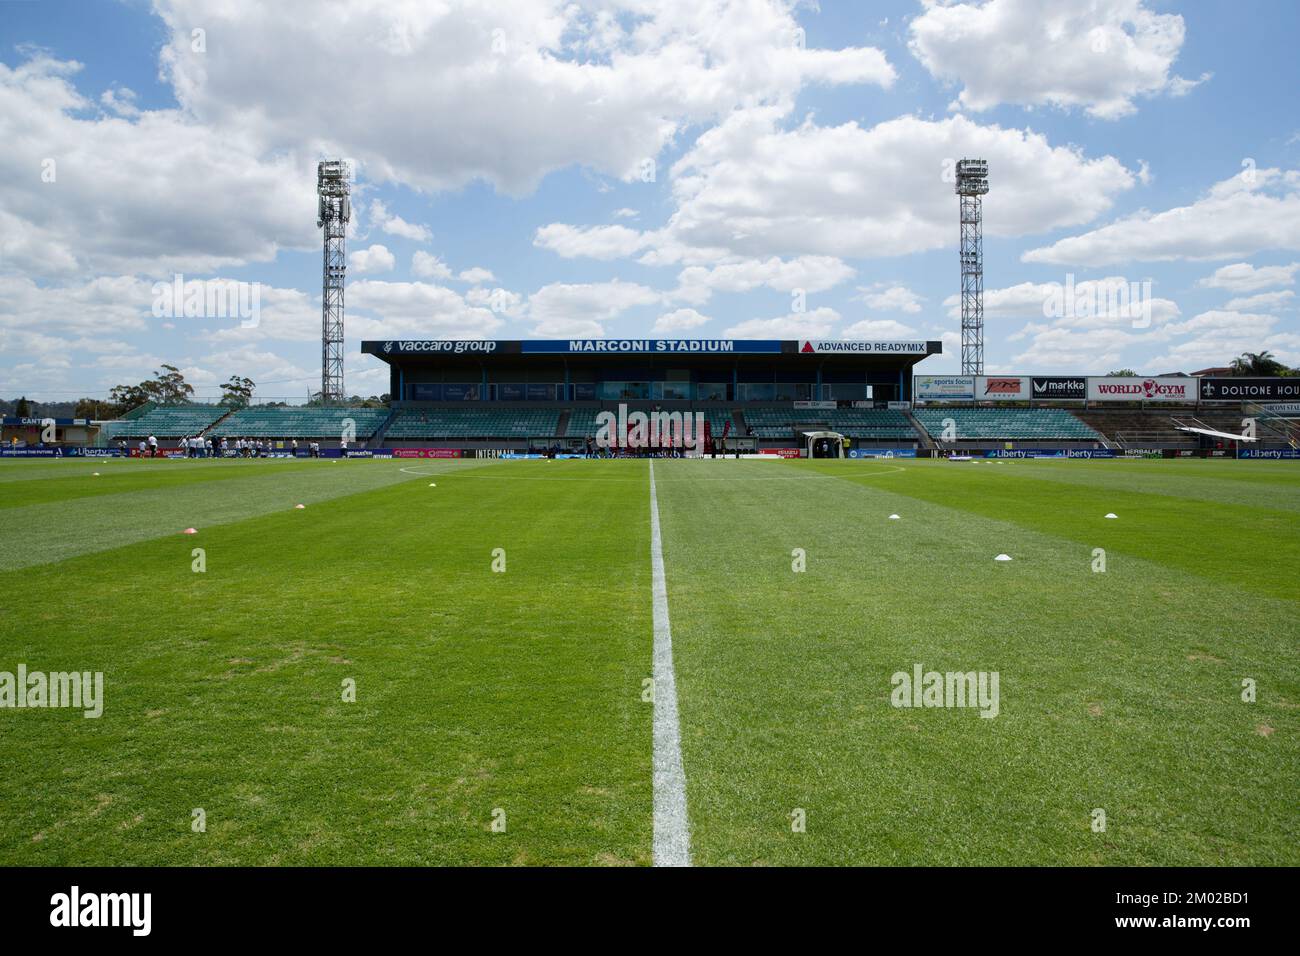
(782,421)
(475,422)
(1019,424)
(293,421)
(582,422)
(165,421)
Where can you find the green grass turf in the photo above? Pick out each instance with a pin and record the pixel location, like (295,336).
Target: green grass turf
(522,691)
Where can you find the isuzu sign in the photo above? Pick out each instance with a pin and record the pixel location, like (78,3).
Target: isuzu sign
(1250,389)
(1138,389)
(863,348)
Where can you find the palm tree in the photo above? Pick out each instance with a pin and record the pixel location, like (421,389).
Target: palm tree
(1260,364)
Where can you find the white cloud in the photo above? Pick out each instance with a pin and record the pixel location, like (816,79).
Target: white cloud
(376,258)
(752,189)
(1263,300)
(1218,336)
(165,193)
(428,266)
(395,225)
(579,309)
(680,320)
(878,329)
(592,242)
(814,324)
(1096,54)
(890,298)
(552,83)
(477,275)
(696,284)
(1238,217)
(379,309)
(1244,277)
(625,213)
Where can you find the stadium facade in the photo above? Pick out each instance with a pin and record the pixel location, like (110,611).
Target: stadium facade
(650,370)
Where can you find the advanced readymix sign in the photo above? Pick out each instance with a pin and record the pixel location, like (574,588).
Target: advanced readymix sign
(833,346)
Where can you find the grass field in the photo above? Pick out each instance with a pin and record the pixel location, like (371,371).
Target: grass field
(517,697)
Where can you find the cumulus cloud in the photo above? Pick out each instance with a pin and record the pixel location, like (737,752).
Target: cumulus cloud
(1099,55)
(878,329)
(380,309)
(166,193)
(814,324)
(579,309)
(890,298)
(679,320)
(395,225)
(1244,277)
(376,258)
(755,189)
(1264,300)
(553,83)
(696,284)
(1255,210)
(428,266)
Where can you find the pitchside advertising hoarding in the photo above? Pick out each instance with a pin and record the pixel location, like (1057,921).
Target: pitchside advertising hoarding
(1002,388)
(943,388)
(1250,389)
(1068,388)
(1183,391)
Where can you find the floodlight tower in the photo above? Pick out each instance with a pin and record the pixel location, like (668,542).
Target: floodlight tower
(334,209)
(972,183)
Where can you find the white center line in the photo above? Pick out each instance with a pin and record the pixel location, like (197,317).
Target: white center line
(672,827)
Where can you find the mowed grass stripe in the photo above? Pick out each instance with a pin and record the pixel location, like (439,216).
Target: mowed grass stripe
(476,691)
(1119,691)
(59,529)
(1252,549)
(79,480)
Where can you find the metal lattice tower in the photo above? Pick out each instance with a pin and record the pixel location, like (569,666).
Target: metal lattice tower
(334,209)
(972,183)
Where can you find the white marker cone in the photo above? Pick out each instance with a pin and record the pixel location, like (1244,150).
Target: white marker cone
(1003,557)
(96,474)
(190,531)
(298,507)
(431,485)
(893,517)
(1112,515)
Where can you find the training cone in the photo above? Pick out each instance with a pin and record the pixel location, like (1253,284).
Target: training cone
(893,517)
(432,485)
(190,531)
(96,474)
(1112,515)
(1003,557)
(298,507)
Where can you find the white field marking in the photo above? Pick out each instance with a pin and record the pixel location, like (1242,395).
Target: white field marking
(672,827)
(553,478)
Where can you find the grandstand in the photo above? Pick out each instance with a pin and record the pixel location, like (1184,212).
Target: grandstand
(1007,424)
(288,421)
(164,421)
(783,421)
(474,422)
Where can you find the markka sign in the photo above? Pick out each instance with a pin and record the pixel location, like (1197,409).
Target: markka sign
(1139,389)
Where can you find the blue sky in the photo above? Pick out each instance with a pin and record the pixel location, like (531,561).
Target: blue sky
(501,153)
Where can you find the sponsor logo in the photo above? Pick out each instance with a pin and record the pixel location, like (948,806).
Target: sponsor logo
(456,346)
(1144,389)
(426,453)
(1266,389)
(874,348)
(1060,388)
(1002,386)
(651,345)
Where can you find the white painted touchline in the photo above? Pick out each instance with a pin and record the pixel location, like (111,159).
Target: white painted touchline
(672,827)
